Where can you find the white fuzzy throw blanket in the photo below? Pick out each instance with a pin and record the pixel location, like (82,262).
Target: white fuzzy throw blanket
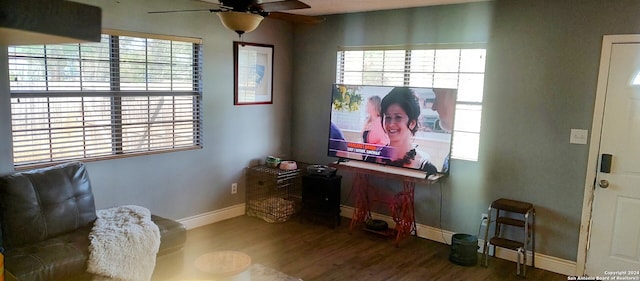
(123,244)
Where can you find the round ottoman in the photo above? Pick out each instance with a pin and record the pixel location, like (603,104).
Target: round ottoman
(225,265)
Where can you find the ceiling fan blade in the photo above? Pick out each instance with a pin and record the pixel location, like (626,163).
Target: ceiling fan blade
(296,18)
(185,11)
(282,5)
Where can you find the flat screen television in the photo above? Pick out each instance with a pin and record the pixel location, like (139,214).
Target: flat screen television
(407,127)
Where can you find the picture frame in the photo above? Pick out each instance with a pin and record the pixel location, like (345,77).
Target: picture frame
(253,73)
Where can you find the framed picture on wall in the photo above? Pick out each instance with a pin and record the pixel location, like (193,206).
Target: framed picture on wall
(253,67)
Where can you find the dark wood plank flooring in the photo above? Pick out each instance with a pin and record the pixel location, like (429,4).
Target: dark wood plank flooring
(315,251)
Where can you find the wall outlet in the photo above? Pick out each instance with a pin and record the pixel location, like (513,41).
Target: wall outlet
(484,219)
(579,136)
(234,188)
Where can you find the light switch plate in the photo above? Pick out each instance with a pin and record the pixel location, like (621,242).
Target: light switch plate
(579,136)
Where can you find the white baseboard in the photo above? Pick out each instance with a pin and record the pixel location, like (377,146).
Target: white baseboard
(543,261)
(213,216)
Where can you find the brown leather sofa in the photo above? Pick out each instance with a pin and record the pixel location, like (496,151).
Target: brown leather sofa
(46,216)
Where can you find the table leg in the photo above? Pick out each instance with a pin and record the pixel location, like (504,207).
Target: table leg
(361,211)
(403,212)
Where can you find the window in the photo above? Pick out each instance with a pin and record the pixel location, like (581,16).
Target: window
(424,66)
(124,96)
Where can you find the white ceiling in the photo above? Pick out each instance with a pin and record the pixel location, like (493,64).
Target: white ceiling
(330,7)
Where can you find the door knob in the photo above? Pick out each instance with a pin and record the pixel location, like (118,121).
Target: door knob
(603,183)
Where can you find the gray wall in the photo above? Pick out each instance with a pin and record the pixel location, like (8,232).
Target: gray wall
(541,75)
(542,64)
(183,184)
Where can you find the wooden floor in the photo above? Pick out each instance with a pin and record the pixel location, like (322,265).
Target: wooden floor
(314,251)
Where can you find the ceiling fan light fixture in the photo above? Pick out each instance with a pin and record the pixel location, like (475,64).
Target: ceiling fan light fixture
(240,22)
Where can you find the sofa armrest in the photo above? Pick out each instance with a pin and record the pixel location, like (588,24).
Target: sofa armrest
(173,234)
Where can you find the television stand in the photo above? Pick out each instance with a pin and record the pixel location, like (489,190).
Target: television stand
(401,204)
(342,160)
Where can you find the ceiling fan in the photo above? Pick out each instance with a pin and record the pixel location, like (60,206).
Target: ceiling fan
(244,16)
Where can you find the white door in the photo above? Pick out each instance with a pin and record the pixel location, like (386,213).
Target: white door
(614,245)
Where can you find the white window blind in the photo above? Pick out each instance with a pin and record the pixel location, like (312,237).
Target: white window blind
(123,96)
(426,66)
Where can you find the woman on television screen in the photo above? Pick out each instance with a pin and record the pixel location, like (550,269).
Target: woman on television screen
(401,110)
(373,132)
